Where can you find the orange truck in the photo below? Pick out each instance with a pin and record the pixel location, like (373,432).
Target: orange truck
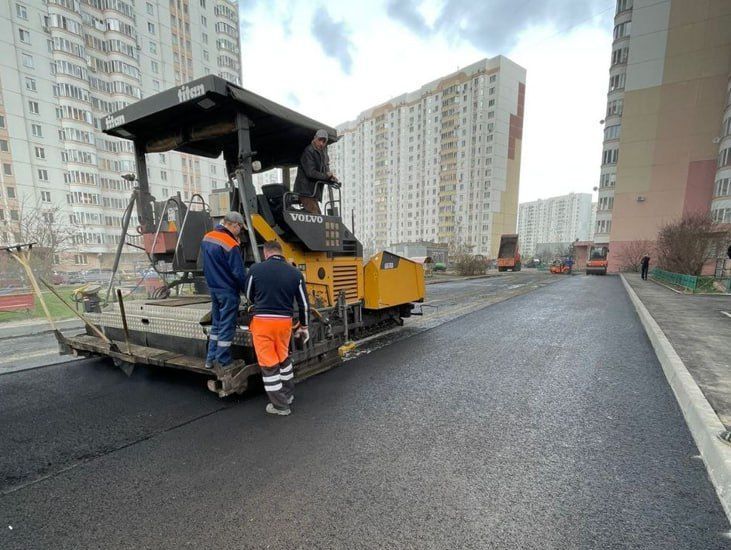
(596,264)
(508,256)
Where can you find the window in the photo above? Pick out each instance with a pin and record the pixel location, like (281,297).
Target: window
(8,171)
(30,84)
(42,174)
(4,146)
(610,156)
(607,180)
(80,259)
(719,215)
(722,188)
(163,175)
(616,82)
(27,61)
(14,215)
(620,55)
(493,78)
(11,192)
(624,5)
(21,12)
(36,130)
(204,36)
(205,55)
(155,67)
(622,30)
(724,159)
(2,121)
(203,4)
(24,36)
(204,21)
(150,27)
(615,107)
(156,85)
(46,196)
(33,107)
(153,48)
(40,153)
(150,9)
(612,132)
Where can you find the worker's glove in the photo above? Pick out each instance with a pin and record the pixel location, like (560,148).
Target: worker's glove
(302,334)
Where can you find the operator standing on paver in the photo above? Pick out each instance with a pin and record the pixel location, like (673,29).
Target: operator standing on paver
(272,287)
(224,270)
(314,167)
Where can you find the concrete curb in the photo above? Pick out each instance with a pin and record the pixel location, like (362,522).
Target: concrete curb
(702,421)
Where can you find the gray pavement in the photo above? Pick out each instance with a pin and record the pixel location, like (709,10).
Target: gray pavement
(700,333)
(543,421)
(32,345)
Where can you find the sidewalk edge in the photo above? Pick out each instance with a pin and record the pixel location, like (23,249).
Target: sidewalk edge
(702,421)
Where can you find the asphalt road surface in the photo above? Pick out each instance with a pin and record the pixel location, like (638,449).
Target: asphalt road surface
(543,421)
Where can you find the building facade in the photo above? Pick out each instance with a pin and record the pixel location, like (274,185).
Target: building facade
(562,219)
(440,164)
(70,63)
(667,148)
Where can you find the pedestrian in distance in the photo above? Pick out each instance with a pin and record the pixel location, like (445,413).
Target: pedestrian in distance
(313,170)
(225,275)
(273,286)
(645,264)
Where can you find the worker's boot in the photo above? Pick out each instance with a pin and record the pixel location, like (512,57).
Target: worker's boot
(271,409)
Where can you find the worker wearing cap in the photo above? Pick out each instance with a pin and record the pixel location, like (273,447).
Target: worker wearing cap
(314,168)
(223,268)
(273,286)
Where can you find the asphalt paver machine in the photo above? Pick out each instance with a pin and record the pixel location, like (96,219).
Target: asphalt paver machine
(350,298)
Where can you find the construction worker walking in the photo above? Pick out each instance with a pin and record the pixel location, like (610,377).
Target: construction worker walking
(272,287)
(224,270)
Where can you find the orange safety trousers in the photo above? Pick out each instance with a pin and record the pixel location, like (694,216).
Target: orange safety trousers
(271,336)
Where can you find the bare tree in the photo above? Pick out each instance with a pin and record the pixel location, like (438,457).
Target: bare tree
(466,263)
(684,245)
(631,253)
(44,225)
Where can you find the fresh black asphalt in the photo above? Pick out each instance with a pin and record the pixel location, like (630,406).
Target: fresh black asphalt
(541,422)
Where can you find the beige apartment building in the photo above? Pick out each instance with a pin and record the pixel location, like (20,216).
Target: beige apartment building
(667,148)
(67,64)
(440,164)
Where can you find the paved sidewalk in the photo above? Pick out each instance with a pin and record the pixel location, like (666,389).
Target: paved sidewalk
(700,332)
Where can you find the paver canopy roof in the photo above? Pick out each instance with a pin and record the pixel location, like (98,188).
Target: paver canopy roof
(200,118)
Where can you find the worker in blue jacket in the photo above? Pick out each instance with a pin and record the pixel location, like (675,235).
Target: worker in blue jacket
(273,286)
(224,270)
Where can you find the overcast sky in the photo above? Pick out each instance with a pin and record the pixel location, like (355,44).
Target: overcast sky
(333,60)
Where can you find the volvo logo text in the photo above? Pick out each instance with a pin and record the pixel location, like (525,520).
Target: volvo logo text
(309,218)
(112,121)
(186,94)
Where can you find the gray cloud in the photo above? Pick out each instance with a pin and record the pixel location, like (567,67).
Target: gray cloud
(494,25)
(333,38)
(405,11)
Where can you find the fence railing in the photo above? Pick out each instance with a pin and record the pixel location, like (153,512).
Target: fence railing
(689,282)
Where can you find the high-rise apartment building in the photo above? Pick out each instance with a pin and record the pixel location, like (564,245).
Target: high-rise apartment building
(667,148)
(562,219)
(440,164)
(67,64)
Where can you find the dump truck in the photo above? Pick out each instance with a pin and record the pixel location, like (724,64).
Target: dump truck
(350,297)
(597,262)
(508,257)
